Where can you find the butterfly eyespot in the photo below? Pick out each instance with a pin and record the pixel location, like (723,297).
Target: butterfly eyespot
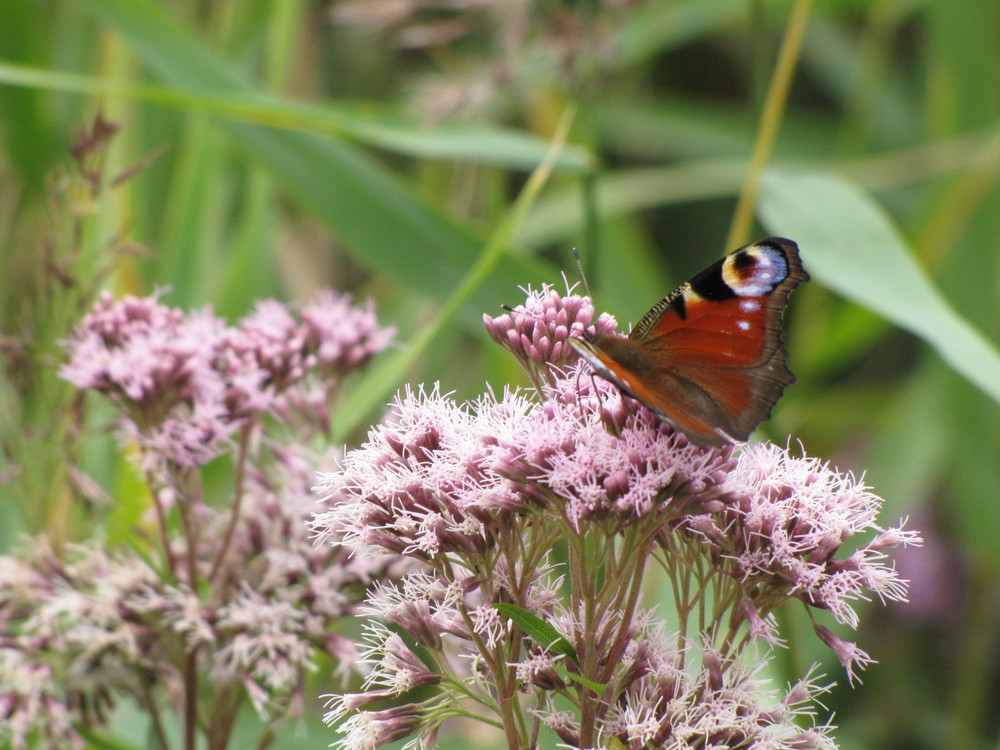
(754,270)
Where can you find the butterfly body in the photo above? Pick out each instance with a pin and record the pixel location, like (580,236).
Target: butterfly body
(709,357)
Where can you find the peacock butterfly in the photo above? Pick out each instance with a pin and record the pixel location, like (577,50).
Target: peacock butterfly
(709,358)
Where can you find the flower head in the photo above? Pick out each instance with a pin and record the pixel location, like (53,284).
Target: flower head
(230,600)
(781,534)
(715,703)
(144,355)
(30,705)
(482,493)
(367,730)
(343,335)
(538,331)
(437,477)
(187,382)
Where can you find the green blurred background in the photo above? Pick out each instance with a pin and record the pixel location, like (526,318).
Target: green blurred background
(387,147)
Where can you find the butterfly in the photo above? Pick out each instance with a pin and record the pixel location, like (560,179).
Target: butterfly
(709,358)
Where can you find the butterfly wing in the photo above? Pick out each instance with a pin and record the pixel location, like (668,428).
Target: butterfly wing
(710,357)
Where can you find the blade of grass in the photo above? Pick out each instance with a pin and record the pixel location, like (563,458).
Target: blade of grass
(770,122)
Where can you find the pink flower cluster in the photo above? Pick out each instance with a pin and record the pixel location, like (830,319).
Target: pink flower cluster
(780,537)
(553,501)
(538,332)
(92,624)
(439,478)
(231,603)
(664,703)
(186,382)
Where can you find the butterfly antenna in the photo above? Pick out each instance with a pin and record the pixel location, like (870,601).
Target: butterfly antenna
(583,276)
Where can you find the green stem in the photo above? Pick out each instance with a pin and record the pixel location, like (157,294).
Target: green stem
(499,665)
(161,523)
(583,607)
(189,527)
(634,588)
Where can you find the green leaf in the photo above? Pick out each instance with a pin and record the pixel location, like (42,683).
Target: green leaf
(486,144)
(851,246)
(540,631)
(101,743)
(627,191)
(597,687)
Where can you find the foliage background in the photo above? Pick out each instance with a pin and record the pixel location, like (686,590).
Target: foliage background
(284,145)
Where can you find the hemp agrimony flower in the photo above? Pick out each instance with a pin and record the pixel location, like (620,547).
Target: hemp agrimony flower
(536,516)
(220,602)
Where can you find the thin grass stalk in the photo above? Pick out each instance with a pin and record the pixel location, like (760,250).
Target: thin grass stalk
(770,122)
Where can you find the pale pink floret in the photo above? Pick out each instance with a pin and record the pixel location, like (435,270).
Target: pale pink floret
(669,705)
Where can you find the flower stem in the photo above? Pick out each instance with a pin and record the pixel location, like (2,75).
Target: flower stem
(161,523)
(624,631)
(234,516)
(190,699)
(149,703)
